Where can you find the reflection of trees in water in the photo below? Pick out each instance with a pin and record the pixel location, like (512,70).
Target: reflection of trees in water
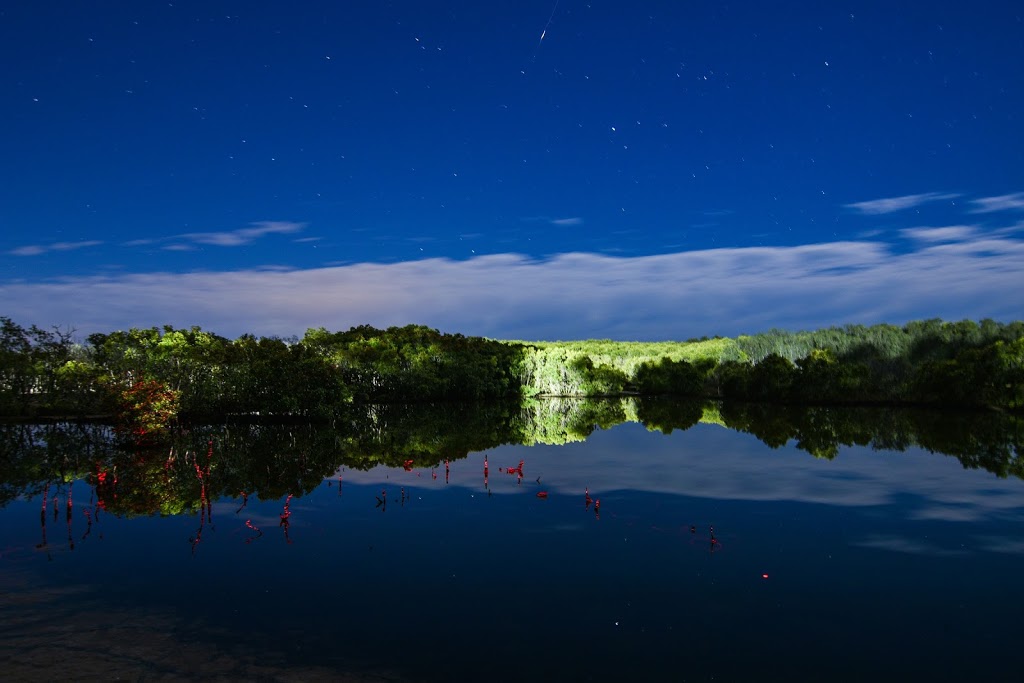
(35,455)
(203,463)
(557,421)
(987,440)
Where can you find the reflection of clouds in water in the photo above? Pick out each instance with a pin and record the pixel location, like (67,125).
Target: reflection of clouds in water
(258,515)
(1011,545)
(710,462)
(963,505)
(558,528)
(947,512)
(260,520)
(913,546)
(223,508)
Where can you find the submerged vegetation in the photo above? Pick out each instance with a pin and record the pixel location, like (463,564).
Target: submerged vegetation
(146,378)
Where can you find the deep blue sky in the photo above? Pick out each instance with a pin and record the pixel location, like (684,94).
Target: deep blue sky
(268,166)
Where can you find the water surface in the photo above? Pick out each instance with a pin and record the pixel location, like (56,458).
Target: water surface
(709,557)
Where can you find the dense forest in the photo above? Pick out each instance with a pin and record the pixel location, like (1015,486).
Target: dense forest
(145,378)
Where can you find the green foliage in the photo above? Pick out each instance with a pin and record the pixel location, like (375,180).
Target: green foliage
(730,379)
(990,375)
(822,378)
(144,409)
(602,367)
(772,378)
(418,363)
(1007,385)
(30,362)
(929,362)
(680,378)
(963,363)
(75,390)
(269,377)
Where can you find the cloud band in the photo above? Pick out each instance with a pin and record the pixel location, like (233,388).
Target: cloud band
(576,295)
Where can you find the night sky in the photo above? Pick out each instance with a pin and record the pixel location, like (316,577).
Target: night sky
(512,168)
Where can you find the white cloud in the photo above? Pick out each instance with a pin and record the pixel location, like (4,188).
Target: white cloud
(949,233)
(29,250)
(70,246)
(37,249)
(235,238)
(1006,202)
(576,295)
(876,207)
(185,242)
(568,220)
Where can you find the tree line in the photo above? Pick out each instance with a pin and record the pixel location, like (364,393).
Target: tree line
(197,373)
(931,362)
(147,377)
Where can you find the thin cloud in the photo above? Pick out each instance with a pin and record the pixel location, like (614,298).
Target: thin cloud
(1005,202)
(1010,229)
(37,249)
(568,220)
(71,246)
(725,291)
(949,233)
(29,250)
(865,234)
(243,236)
(876,207)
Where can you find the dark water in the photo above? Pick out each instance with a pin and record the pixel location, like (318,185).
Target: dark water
(711,557)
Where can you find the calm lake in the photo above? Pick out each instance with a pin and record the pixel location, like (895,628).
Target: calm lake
(608,554)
